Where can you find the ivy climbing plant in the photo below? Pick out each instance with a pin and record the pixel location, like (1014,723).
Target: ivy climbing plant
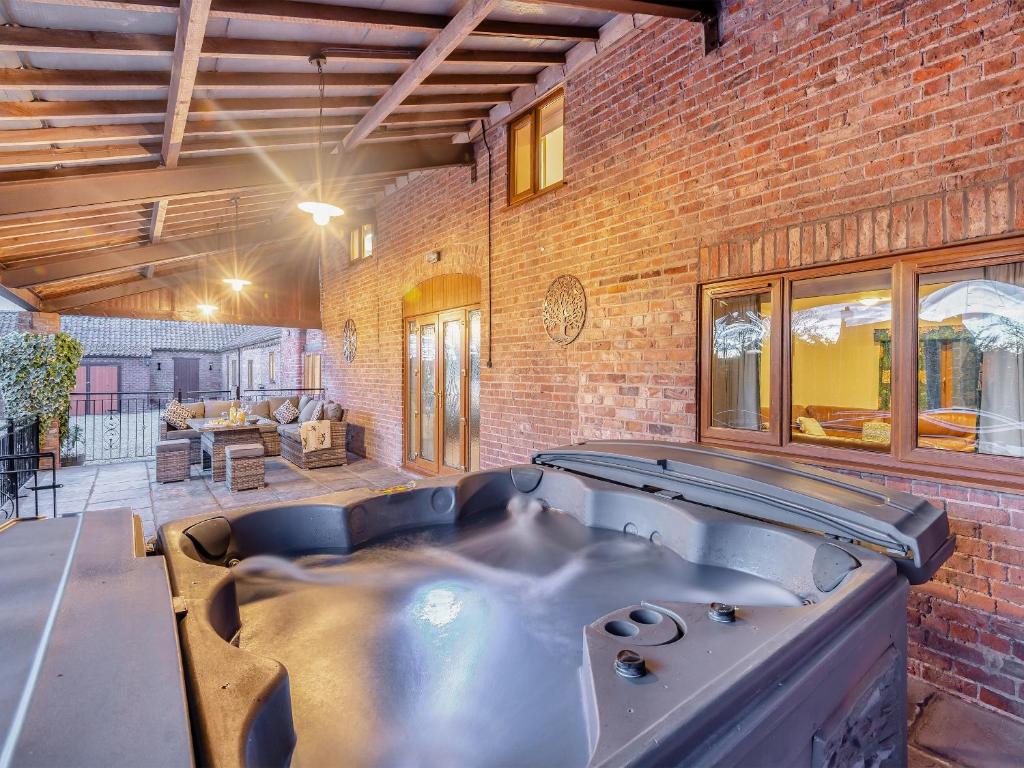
(37,376)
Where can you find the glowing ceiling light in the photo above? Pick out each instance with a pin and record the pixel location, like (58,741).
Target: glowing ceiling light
(206,309)
(322,212)
(237,283)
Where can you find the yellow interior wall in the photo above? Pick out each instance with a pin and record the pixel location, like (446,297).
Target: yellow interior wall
(841,374)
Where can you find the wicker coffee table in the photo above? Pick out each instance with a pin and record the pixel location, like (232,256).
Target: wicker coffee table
(214,438)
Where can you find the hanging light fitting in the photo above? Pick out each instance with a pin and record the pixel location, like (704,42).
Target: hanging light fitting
(322,212)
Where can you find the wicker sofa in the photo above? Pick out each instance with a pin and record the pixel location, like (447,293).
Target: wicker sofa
(214,408)
(335,456)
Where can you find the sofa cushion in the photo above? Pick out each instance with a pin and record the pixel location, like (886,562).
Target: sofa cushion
(198,410)
(260,408)
(810,426)
(177,415)
(289,430)
(287,413)
(276,402)
(311,411)
(215,408)
(333,411)
(945,423)
(172,446)
(303,402)
(243,451)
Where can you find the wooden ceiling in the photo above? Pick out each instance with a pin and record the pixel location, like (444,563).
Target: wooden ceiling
(133,131)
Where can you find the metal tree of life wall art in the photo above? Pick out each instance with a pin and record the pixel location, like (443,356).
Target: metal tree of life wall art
(348,341)
(565,309)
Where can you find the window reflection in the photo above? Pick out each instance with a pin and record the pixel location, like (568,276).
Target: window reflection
(740,362)
(971,360)
(841,350)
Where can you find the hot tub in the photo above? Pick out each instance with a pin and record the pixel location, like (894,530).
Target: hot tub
(612,603)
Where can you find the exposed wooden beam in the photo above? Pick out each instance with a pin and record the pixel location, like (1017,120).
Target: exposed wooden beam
(690,10)
(133,257)
(67,156)
(464,22)
(24,299)
(144,132)
(332,16)
(142,285)
(35,39)
(192,17)
(188,42)
(51,110)
(199,177)
(135,81)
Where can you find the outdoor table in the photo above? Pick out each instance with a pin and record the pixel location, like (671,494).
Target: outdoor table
(215,437)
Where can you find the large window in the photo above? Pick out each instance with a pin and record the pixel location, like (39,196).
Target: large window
(911,361)
(536,143)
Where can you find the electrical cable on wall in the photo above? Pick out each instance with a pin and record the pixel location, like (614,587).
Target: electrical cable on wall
(490,203)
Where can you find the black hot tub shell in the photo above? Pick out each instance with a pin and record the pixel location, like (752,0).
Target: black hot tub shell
(817,681)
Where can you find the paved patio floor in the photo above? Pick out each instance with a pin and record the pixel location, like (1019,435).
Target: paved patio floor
(102,486)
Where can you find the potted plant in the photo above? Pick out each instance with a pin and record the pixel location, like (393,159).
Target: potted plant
(72,447)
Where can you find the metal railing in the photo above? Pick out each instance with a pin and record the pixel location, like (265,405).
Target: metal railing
(115,426)
(16,473)
(259,393)
(121,426)
(19,444)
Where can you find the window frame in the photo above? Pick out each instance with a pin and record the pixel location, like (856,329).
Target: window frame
(904,457)
(357,241)
(533,114)
(734,288)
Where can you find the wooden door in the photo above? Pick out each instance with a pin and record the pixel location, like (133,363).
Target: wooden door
(186,375)
(439,392)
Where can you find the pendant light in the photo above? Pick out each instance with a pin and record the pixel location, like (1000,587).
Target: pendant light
(236,283)
(321,211)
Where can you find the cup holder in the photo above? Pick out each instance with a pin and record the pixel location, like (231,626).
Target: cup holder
(621,628)
(646,616)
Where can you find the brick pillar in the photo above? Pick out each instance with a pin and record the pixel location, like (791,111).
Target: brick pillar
(44,323)
(39,322)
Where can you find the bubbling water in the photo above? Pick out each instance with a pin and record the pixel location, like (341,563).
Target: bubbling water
(459,645)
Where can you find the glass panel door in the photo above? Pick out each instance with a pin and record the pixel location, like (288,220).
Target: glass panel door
(412,388)
(428,394)
(474,389)
(453,393)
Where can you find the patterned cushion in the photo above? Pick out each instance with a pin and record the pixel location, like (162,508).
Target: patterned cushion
(287,413)
(177,415)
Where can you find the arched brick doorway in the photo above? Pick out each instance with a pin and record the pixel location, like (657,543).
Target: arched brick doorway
(441,382)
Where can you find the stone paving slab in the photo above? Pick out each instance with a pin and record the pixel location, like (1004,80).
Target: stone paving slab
(102,486)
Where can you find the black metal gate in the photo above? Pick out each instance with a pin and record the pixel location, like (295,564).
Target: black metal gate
(18,439)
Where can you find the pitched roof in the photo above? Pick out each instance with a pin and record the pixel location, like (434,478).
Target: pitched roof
(125,337)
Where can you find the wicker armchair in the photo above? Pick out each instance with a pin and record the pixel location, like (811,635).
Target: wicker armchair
(335,456)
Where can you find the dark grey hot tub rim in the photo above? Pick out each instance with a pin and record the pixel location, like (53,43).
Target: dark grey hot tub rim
(233,730)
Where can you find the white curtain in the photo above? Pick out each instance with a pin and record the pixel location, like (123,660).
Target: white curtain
(736,388)
(1001,424)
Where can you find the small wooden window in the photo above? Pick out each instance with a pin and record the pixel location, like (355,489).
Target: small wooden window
(907,363)
(537,150)
(360,242)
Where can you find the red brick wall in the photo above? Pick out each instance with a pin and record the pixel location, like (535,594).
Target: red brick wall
(820,131)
